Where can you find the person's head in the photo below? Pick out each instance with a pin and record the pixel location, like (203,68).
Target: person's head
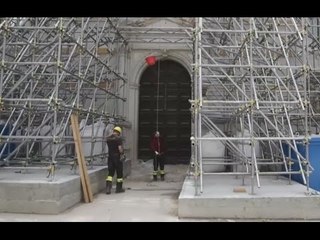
(157,134)
(117,130)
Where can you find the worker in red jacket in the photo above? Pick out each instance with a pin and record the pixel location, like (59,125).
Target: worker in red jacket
(158,148)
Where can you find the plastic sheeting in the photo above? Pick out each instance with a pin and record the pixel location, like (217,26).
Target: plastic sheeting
(48,149)
(92,132)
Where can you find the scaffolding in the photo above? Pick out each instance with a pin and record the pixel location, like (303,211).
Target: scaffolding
(255,88)
(256,91)
(51,67)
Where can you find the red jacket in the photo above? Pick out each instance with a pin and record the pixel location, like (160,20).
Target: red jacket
(158,144)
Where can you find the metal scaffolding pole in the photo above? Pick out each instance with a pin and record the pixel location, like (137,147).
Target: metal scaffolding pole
(253,93)
(51,67)
(255,88)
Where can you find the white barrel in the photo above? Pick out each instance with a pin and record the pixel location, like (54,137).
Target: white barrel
(213,149)
(244,145)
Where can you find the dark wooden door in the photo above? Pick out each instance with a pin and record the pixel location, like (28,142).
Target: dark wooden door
(174,117)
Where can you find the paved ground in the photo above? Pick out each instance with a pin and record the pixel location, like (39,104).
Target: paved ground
(144,200)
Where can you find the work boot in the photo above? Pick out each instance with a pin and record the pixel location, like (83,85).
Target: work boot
(155,178)
(119,188)
(162,177)
(108,187)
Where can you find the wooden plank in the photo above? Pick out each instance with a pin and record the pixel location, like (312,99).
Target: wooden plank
(84,165)
(239,189)
(82,159)
(76,143)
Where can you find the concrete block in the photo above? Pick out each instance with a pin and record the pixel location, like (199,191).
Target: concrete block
(276,199)
(29,193)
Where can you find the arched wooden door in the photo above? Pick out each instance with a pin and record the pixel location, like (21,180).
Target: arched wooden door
(174,117)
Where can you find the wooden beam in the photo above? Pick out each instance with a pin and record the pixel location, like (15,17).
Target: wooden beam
(84,176)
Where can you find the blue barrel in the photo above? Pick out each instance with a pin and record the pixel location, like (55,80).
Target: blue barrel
(287,150)
(314,158)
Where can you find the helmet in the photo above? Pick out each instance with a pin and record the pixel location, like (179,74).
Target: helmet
(118,129)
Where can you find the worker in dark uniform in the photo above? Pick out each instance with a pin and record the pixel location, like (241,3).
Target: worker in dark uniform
(158,148)
(115,163)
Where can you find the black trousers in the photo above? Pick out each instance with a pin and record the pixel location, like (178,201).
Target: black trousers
(158,160)
(115,165)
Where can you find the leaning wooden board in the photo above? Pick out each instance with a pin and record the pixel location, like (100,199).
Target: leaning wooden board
(85,180)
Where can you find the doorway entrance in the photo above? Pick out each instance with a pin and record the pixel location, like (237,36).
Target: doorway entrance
(167,84)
